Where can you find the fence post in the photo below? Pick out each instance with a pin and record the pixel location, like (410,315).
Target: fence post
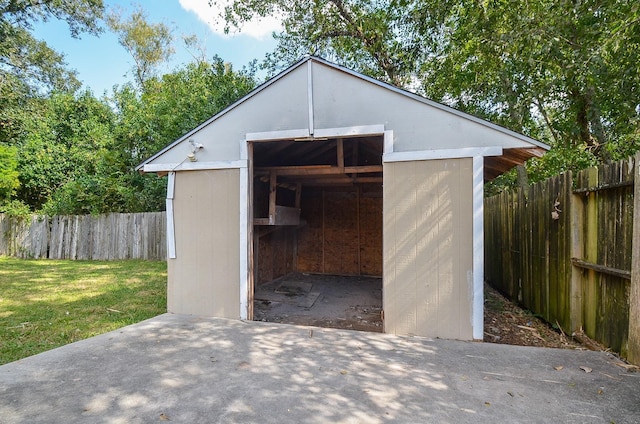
(576,249)
(590,254)
(633,351)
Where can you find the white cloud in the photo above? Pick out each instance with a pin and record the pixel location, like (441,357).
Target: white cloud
(256,28)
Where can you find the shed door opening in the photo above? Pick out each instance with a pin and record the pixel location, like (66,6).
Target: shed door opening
(317,234)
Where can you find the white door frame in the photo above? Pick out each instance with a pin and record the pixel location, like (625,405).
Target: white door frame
(246,191)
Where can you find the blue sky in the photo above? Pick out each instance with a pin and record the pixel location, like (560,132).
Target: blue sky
(101,62)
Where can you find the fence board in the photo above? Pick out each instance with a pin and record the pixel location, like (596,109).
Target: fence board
(614,243)
(634,290)
(102,237)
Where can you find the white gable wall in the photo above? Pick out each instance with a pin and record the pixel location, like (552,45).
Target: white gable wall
(340,100)
(282,105)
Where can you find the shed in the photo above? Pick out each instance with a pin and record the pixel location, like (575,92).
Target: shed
(325,170)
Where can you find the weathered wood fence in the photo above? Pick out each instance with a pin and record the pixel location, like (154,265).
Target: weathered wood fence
(102,237)
(569,249)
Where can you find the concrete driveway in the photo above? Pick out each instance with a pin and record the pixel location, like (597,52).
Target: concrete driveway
(186,369)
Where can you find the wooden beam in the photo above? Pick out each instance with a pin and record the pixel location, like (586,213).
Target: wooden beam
(272,196)
(358,231)
(603,187)
(601,268)
(340,152)
(590,254)
(362,169)
(298,194)
(346,181)
(577,244)
(294,179)
(323,230)
(356,149)
(265,170)
(319,170)
(328,182)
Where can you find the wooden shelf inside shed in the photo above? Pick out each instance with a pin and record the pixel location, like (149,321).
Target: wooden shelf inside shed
(284,215)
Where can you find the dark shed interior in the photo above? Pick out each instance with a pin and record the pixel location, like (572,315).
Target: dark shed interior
(317,207)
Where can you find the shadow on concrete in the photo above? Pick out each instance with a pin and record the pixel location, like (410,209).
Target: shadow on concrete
(200,370)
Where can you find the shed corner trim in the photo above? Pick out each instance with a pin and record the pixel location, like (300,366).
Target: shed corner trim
(171,237)
(244,243)
(477,315)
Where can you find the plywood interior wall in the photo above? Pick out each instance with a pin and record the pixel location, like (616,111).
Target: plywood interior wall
(343,232)
(276,252)
(370,222)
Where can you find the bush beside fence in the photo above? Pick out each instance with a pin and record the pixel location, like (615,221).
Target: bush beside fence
(101,237)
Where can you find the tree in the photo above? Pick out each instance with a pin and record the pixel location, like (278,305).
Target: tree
(67,152)
(566,72)
(30,60)
(72,153)
(549,68)
(29,68)
(8,173)
(367,36)
(167,108)
(80,14)
(150,45)
(66,141)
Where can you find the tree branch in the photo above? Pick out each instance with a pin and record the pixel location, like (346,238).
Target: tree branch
(543,112)
(381,57)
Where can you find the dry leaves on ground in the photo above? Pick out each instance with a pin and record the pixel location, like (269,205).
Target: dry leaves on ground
(506,323)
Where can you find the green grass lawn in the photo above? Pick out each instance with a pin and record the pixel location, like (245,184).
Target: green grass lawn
(49,303)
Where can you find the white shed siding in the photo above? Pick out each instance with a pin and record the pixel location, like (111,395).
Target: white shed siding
(204,277)
(428,249)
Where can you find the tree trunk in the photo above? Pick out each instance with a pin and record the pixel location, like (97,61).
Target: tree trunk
(581,117)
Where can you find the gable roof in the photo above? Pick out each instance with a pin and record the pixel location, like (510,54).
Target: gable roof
(524,148)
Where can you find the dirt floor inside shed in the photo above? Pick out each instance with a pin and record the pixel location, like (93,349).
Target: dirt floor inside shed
(352,303)
(355,303)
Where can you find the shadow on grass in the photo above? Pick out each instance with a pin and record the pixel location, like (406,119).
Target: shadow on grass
(45,304)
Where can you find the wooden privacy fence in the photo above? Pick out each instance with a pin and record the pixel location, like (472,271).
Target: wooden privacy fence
(102,237)
(568,248)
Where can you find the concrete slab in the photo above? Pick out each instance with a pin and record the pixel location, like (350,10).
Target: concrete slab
(187,369)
